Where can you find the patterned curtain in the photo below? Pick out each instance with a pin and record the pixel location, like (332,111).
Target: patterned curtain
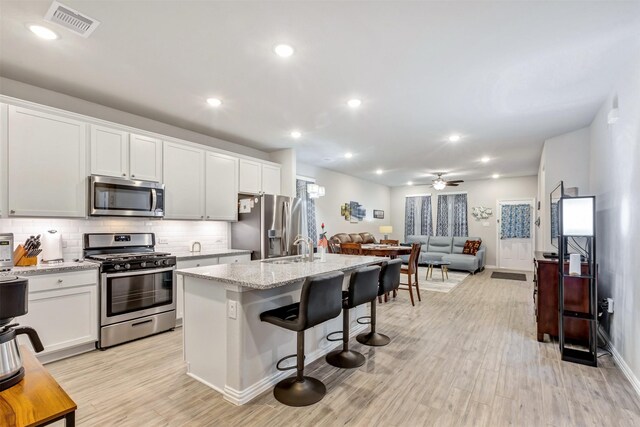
(515,221)
(417,216)
(452,215)
(309,220)
(555,224)
(460,225)
(442,218)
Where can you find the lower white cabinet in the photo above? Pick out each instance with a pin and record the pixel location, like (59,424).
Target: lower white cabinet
(64,313)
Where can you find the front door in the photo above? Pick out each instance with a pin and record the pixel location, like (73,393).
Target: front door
(515,234)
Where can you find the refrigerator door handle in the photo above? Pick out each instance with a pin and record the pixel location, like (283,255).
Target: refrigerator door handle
(284,240)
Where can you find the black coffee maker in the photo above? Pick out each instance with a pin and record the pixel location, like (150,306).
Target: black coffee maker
(13,303)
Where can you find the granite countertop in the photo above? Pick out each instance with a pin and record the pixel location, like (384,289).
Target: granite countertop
(62,267)
(181,256)
(264,275)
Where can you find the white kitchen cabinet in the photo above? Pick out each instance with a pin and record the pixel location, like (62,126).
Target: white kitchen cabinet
(270,179)
(122,155)
(145,158)
(47,165)
(63,309)
(109,152)
(221,187)
(250,177)
(189,263)
(183,171)
(256,177)
(233,259)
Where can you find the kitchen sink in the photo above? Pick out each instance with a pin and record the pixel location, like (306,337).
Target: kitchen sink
(285,260)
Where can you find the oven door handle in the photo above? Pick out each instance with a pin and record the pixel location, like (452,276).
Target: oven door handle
(154,199)
(138,273)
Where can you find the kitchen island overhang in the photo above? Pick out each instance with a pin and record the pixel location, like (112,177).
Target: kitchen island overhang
(227,347)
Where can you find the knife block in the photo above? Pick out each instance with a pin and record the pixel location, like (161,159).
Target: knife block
(20,260)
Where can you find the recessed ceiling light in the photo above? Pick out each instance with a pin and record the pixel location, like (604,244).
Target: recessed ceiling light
(354,103)
(495,176)
(43,32)
(283,50)
(485,159)
(410,183)
(214,102)
(379,171)
(295,134)
(348,155)
(454,138)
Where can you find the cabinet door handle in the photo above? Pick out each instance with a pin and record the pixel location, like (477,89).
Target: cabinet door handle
(208,217)
(60,280)
(201,216)
(124,174)
(133,176)
(12,211)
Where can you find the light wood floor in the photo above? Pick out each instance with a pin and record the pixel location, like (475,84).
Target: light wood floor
(468,357)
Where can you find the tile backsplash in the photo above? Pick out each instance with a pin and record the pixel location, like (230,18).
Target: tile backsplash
(178,235)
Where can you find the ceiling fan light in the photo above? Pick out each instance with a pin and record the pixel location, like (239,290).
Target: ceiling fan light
(439,184)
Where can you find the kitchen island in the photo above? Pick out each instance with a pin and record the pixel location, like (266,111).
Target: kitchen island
(227,347)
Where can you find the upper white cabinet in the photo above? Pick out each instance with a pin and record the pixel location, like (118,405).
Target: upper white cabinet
(109,152)
(145,158)
(120,154)
(270,179)
(184,179)
(221,187)
(256,177)
(47,164)
(250,177)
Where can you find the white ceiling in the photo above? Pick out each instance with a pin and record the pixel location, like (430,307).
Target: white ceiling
(503,75)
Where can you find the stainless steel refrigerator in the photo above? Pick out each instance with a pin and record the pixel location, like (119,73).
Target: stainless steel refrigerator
(268,225)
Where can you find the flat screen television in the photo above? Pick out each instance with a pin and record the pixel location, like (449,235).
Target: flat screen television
(554,199)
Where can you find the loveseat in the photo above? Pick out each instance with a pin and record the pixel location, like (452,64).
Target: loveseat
(353,238)
(435,248)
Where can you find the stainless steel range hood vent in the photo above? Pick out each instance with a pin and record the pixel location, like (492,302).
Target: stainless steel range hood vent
(71,19)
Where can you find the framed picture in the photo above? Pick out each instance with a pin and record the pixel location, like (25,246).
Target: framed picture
(378,214)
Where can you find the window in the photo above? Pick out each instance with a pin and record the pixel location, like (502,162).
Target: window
(309,218)
(452,215)
(417,216)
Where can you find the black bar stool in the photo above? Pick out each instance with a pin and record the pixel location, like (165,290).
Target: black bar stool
(389,281)
(320,300)
(363,288)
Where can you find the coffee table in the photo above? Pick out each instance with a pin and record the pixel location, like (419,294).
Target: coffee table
(444,268)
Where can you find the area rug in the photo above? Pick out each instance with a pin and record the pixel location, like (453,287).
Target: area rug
(509,276)
(436,284)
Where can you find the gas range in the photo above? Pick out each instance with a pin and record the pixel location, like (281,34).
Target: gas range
(137,289)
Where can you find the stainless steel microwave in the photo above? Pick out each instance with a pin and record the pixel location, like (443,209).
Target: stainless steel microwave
(125,197)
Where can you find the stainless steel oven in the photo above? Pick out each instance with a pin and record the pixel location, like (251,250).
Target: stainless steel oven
(125,197)
(132,295)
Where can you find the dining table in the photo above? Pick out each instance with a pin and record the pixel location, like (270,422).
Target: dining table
(391,251)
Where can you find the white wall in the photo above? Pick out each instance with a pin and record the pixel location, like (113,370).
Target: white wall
(615,180)
(564,158)
(340,189)
(179,234)
(50,98)
(484,193)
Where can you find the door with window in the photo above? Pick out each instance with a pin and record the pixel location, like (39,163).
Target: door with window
(515,234)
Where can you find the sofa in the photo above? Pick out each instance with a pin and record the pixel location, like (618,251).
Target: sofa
(353,238)
(436,248)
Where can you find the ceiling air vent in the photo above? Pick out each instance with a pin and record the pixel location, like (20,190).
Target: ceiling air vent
(71,19)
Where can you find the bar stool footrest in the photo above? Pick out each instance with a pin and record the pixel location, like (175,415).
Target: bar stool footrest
(329,338)
(282,360)
(364,322)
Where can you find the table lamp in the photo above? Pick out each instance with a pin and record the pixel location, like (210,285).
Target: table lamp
(386,230)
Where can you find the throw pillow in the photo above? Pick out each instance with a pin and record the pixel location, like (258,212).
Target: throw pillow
(471,247)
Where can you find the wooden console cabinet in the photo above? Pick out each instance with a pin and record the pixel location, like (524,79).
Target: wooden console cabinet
(545,295)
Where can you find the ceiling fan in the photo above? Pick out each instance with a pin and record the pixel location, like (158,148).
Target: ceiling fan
(440,184)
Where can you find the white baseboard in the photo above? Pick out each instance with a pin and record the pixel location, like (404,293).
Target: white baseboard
(617,358)
(490,266)
(240,397)
(54,356)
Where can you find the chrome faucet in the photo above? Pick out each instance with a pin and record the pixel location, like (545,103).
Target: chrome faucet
(193,247)
(307,240)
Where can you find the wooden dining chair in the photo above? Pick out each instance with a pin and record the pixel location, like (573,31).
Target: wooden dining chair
(334,248)
(389,242)
(351,248)
(411,270)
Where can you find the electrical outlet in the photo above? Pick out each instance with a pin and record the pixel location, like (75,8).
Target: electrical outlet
(610,305)
(232,309)
(163,241)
